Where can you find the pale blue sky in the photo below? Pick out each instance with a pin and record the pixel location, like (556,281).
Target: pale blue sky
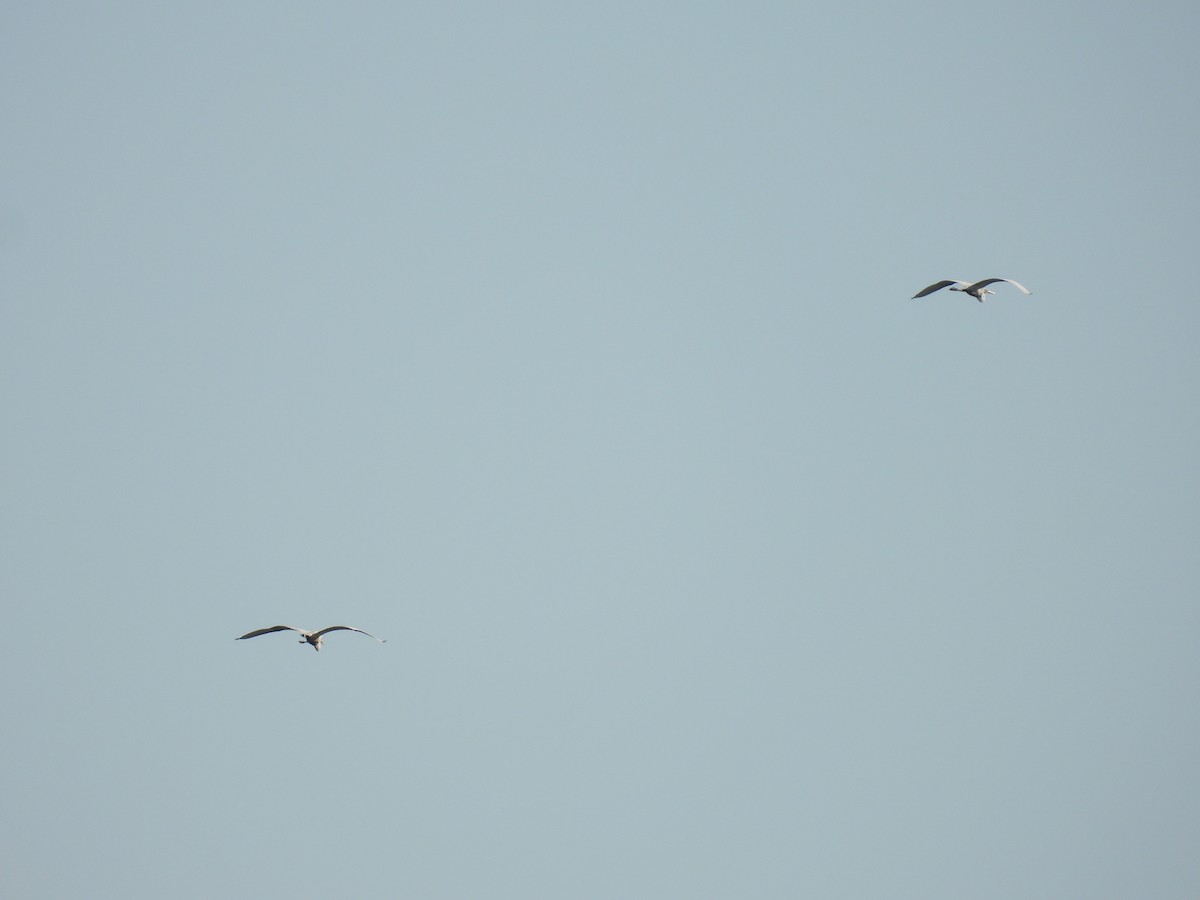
(569,347)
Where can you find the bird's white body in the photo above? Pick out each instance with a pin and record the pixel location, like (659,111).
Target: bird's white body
(312,638)
(978,290)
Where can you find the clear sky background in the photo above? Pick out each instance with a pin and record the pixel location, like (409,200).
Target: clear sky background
(569,347)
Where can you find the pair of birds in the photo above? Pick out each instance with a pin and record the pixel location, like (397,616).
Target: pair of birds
(978,290)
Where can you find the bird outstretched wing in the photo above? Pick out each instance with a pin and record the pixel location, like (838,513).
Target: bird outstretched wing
(987,281)
(938,287)
(269,630)
(346,628)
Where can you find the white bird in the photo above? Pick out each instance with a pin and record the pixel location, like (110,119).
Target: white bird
(310,637)
(978,290)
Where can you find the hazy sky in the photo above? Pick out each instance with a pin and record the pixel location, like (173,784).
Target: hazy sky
(569,347)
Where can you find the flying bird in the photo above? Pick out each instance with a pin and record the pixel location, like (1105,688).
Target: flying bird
(310,637)
(978,290)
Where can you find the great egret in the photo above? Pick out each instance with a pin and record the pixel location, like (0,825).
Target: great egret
(978,290)
(310,637)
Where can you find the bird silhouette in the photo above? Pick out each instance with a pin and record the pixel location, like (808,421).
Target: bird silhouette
(309,637)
